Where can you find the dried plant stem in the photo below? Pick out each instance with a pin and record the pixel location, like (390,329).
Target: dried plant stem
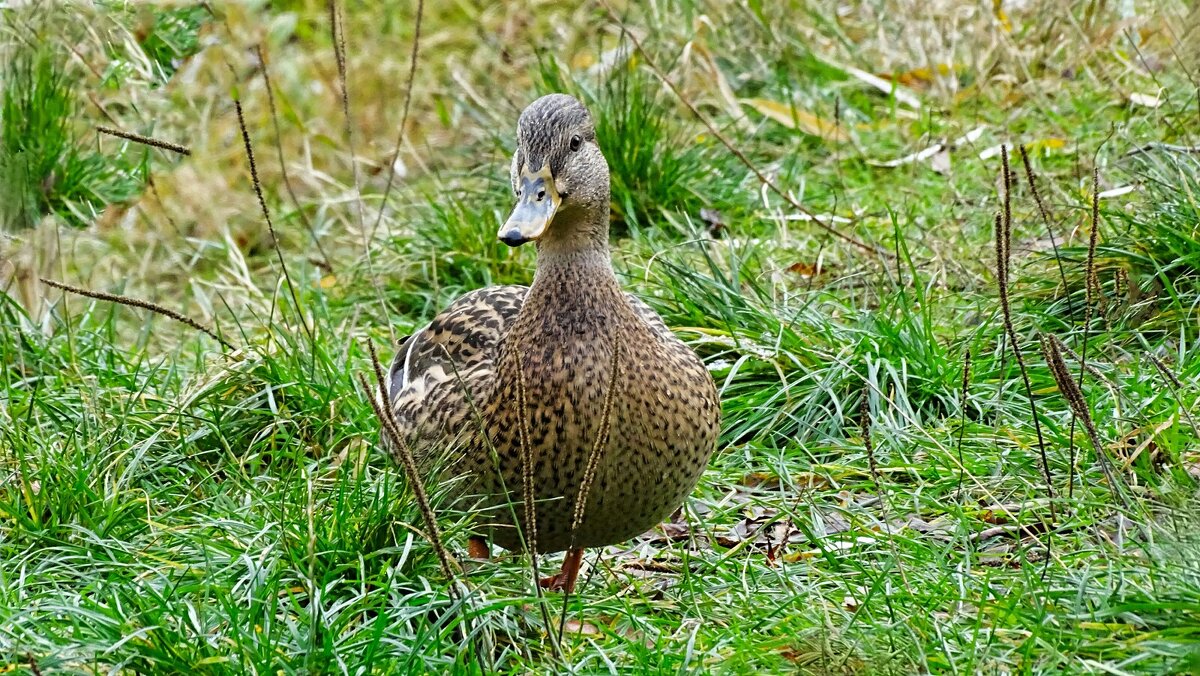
(741,157)
(966,382)
(1090,368)
(1003,228)
(1091,286)
(1176,385)
(338,36)
(593,463)
(262,203)
(1052,349)
(412,71)
(145,140)
(287,181)
(864,421)
(528,498)
(143,304)
(601,440)
(381,405)
(1041,205)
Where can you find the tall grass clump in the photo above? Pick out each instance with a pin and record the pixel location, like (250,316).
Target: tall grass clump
(46,166)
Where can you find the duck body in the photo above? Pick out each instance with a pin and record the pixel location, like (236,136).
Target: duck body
(567,387)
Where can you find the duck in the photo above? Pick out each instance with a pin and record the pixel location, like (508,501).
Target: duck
(569,414)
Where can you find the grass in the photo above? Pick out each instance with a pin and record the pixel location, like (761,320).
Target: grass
(169,505)
(45,166)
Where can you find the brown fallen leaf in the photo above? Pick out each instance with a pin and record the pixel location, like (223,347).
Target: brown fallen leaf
(832,523)
(921,78)
(889,87)
(581,628)
(800,120)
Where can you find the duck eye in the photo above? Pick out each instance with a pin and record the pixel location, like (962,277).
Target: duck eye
(576,142)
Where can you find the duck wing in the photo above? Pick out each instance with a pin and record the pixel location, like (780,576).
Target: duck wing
(443,370)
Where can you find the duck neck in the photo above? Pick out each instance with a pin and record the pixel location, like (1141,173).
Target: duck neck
(575,269)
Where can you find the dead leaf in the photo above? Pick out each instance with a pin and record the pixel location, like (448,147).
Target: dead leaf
(581,628)
(937,154)
(1117,192)
(941,162)
(651,566)
(1145,100)
(762,479)
(709,64)
(795,118)
(920,78)
(1032,147)
(889,87)
(820,218)
(800,556)
(969,137)
(994,516)
(918,156)
(832,523)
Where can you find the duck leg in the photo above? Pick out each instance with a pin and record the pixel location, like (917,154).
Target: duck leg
(564,581)
(477,548)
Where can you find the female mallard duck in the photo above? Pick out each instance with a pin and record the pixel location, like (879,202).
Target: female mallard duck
(569,389)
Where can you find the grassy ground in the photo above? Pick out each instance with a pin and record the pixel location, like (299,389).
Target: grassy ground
(169,504)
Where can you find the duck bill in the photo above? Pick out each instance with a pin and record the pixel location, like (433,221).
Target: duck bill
(538,201)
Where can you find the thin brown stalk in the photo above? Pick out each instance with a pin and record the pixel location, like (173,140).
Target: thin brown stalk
(1093,237)
(1091,286)
(145,140)
(1031,179)
(338,34)
(1006,176)
(1052,349)
(382,408)
(377,366)
(1003,227)
(337,30)
(737,153)
(864,421)
(528,497)
(601,440)
(143,304)
(383,412)
(1176,385)
(966,383)
(485,438)
(262,203)
(412,71)
(287,181)
(1090,368)
(593,463)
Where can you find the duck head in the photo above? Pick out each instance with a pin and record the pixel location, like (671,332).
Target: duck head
(559,176)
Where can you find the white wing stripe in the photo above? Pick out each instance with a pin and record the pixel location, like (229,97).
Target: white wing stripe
(408,353)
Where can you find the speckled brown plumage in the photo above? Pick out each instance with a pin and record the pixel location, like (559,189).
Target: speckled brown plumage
(455,383)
